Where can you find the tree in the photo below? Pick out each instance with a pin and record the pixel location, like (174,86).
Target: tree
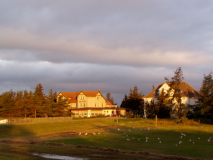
(124,103)
(18,103)
(51,102)
(129,114)
(26,103)
(30,104)
(59,108)
(39,100)
(178,109)
(161,108)
(7,103)
(206,96)
(134,101)
(109,98)
(151,109)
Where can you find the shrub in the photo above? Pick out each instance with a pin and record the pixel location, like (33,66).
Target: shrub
(129,114)
(137,116)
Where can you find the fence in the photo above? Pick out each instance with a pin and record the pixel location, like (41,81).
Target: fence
(39,120)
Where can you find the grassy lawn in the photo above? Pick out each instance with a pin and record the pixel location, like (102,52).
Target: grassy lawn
(112,136)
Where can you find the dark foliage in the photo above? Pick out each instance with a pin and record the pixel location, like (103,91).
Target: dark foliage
(134,100)
(32,104)
(177,108)
(206,97)
(109,98)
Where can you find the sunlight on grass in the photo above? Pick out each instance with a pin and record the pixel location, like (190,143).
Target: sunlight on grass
(164,139)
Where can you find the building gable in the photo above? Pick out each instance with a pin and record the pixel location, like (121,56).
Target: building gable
(186,90)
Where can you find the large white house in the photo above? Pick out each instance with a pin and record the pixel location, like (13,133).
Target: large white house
(188,93)
(90,103)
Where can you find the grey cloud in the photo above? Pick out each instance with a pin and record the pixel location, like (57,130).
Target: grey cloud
(108,45)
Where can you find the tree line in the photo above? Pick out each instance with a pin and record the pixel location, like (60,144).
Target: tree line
(32,104)
(167,105)
(36,103)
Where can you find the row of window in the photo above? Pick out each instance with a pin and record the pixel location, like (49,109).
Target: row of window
(96,113)
(82,97)
(96,105)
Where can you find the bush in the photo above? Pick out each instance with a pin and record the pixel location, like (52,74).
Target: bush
(137,116)
(129,114)
(185,120)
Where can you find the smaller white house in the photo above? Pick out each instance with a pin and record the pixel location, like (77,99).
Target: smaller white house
(189,94)
(4,121)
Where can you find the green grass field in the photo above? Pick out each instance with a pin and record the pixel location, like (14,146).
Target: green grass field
(113,136)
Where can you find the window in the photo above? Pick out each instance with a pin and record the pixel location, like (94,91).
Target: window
(97,97)
(84,104)
(95,104)
(102,105)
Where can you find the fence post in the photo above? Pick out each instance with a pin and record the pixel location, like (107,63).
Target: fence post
(156,124)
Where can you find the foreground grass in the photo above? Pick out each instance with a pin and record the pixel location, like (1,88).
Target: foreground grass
(169,134)
(24,152)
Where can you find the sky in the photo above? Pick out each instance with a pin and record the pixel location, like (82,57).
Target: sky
(111,45)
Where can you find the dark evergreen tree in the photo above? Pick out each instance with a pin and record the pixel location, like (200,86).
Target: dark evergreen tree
(26,101)
(178,108)
(19,103)
(7,102)
(39,101)
(206,96)
(59,108)
(32,104)
(134,101)
(51,102)
(109,98)
(124,103)
(151,109)
(163,106)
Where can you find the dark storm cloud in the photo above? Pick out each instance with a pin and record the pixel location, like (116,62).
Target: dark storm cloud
(109,45)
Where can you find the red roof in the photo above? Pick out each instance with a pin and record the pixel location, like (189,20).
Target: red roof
(73,95)
(69,94)
(73,100)
(108,102)
(90,93)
